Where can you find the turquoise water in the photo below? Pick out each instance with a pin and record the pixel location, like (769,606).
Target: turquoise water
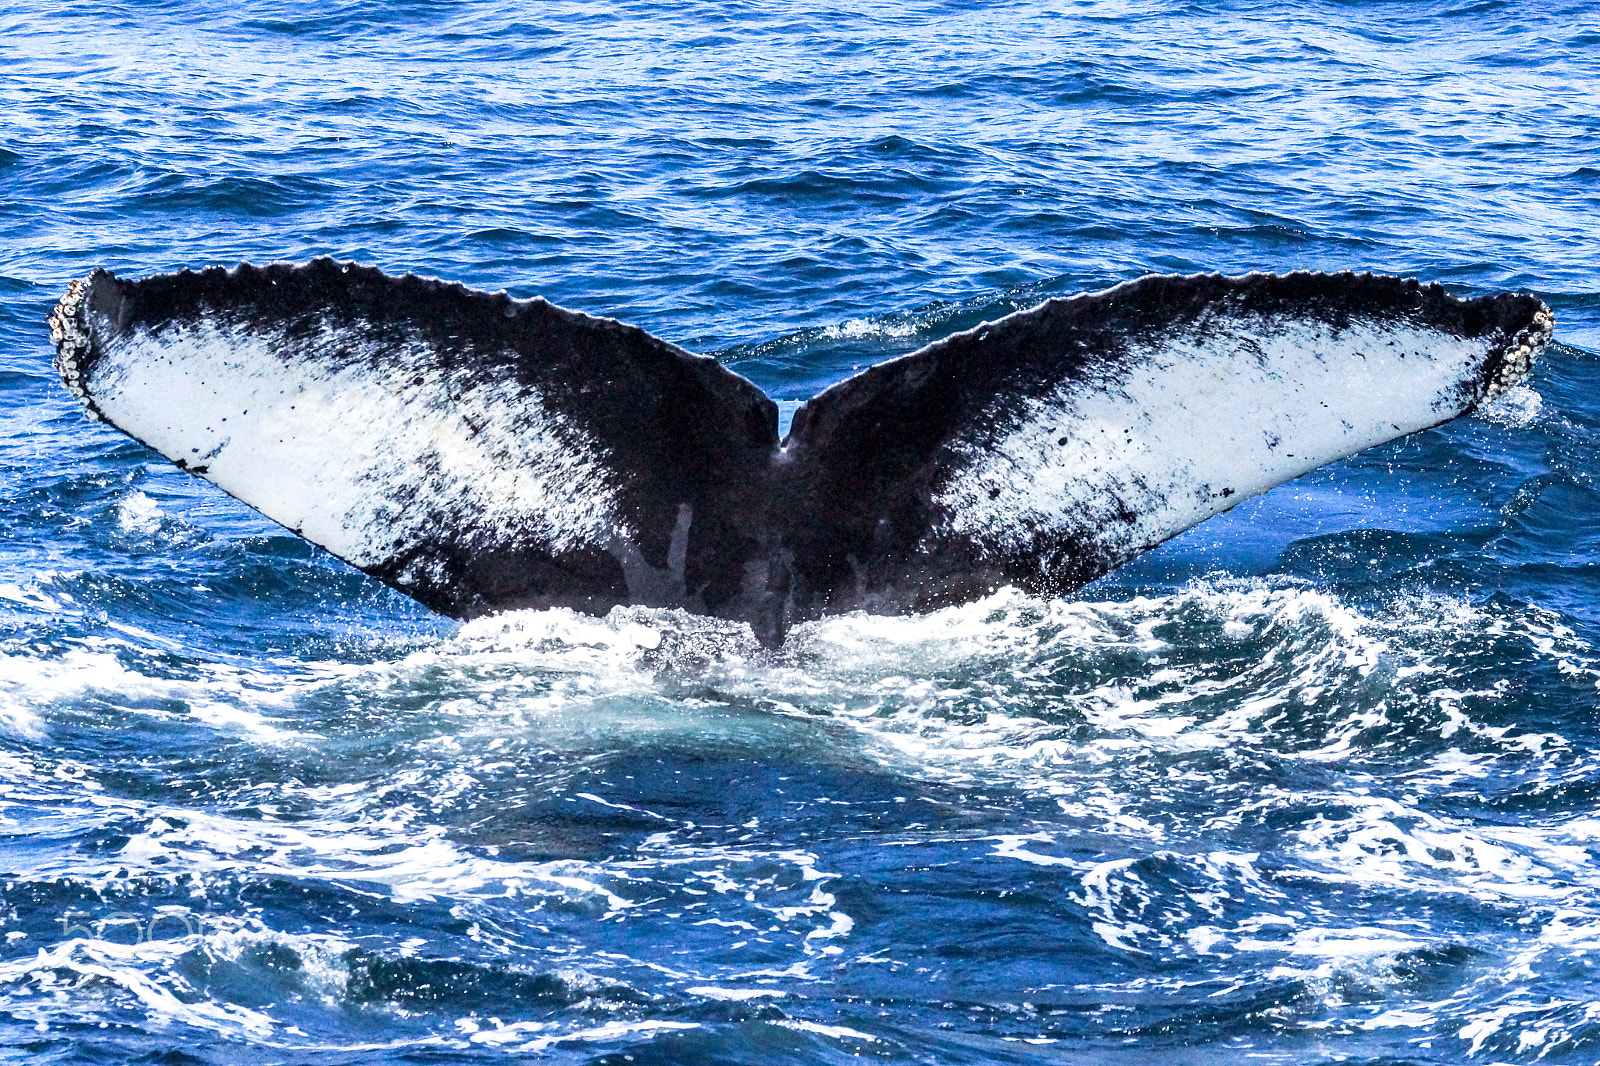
(1314,782)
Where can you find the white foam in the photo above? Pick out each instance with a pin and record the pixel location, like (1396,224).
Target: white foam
(373,847)
(78,962)
(859,328)
(138,513)
(1298,646)
(528,1037)
(1066,701)
(102,669)
(737,995)
(835,1032)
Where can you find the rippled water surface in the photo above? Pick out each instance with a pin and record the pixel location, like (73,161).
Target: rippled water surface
(1317,781)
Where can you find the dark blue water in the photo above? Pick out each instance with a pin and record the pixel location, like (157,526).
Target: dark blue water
(1315,782)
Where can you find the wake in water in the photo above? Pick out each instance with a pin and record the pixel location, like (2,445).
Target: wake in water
(692,836)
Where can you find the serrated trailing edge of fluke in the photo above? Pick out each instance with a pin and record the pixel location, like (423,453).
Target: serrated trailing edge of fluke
(70,330)
(70,334)
(1519,359)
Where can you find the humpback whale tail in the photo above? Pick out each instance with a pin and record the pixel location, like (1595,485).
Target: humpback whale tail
(481,453)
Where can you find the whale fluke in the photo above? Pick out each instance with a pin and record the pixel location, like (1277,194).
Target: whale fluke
(481,453)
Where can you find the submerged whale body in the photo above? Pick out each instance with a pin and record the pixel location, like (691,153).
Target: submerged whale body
(482,453)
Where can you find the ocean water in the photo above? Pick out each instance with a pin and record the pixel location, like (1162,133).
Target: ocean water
(1315,782)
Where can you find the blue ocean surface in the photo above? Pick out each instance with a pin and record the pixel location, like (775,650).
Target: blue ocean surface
(1315,782)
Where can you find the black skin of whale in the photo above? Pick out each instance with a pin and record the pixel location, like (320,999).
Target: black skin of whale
(725,518)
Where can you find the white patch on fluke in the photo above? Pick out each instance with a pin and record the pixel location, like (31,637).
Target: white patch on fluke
(366,450)
(1188,426)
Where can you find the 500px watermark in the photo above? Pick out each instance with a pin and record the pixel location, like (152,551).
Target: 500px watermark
(118,926)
